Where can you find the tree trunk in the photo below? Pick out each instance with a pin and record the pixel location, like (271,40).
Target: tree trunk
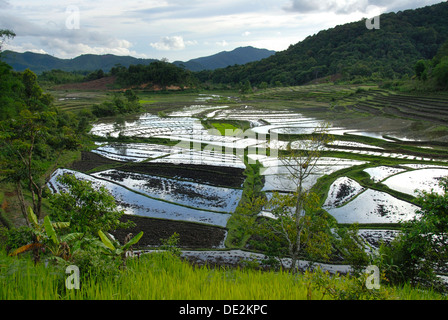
(21,199)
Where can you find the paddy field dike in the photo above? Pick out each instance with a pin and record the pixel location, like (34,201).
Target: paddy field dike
(181,165)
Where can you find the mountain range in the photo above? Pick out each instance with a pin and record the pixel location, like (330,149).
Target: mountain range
(39,63)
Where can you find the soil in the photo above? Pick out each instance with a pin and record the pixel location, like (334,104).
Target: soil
(191,235)
(107,83)
(213,175)
(102,84)
(89,161)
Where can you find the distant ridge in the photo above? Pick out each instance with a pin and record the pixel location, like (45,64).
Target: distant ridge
(238,56)
(39,63)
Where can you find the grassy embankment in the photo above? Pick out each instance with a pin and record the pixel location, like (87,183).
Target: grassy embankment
(165,277)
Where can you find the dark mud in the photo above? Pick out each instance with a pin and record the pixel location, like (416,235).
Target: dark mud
(90,161)
(191,235)
(212,175)
(163,186)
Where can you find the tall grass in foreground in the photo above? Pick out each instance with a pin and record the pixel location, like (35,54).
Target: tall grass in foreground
(162,276)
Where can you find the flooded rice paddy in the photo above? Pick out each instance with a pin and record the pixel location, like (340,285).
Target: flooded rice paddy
(178,198)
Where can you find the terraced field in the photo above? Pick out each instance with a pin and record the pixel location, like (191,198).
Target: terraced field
(407,106)
(186,171)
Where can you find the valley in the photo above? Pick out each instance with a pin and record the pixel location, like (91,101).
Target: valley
(179,174)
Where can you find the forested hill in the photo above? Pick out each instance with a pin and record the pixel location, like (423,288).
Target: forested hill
(350,50)
(90,62)
(223,59)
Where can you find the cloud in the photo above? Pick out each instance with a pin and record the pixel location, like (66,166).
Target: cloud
(58,40)
(222,43)
(169,43)
(65,48)
(4,4)
(161,27)
(338,7)
(352,6)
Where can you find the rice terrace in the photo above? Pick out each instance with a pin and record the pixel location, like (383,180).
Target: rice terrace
(266,180)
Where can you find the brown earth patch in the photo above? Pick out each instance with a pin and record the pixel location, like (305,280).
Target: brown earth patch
(108,83)
(102,84)
(191,235)
(89,161)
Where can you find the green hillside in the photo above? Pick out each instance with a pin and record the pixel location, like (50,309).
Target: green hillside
(87,62)
(350,50)
(238,56)
(90,62)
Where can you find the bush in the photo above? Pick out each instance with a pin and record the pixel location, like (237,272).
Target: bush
(93,264)
(17,237)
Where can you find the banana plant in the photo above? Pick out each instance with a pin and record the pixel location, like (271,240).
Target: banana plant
(38,236)
(47,230)
(119,250)
(59,245)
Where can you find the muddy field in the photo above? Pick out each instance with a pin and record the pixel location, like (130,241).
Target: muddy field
(213,175)
(191,235)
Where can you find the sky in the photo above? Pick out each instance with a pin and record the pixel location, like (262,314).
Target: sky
(177,29)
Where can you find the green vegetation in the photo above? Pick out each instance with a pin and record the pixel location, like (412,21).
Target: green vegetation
(224,127)
(350,52)
(419,251)
(396,73)
(159,73)
(160,276)
(121,103)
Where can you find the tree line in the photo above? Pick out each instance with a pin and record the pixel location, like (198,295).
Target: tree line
(160,73)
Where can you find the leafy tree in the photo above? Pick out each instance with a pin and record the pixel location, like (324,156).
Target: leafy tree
(34,135)
(298,221)
(88,210)
(5,34)
(306,232)
(352,248)
(246,87)
(420,68)
(440,72)
(421,249)
(121,103)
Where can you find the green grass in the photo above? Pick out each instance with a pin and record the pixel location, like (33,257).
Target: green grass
(223,127)
(164,277)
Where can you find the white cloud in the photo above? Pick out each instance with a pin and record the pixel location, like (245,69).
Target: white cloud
(222,43)
(164,28)
(338,7)
(352,6)
(169,43)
